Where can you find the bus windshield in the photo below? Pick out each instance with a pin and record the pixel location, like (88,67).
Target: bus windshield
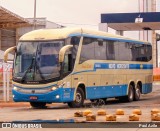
(37,61)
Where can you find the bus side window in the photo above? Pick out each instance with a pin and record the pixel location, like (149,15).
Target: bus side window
(141,52)
(66,66)
(110,50)
(75,42)
(88,50)
(149,52)
(100,50)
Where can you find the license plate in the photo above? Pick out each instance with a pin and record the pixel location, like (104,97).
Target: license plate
(33,98)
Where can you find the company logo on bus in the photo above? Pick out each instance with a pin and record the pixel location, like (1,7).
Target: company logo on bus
(118,66)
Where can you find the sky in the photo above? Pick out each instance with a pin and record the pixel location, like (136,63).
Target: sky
(83,13)
(70,12)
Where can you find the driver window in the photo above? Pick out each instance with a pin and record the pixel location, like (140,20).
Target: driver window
(68,62)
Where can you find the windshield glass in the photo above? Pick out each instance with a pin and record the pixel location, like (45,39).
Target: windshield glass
(36,61)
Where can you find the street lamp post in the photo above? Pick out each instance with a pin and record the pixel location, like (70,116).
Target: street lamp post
(157,39)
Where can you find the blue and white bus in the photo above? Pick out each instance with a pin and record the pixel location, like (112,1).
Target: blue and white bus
(70,65)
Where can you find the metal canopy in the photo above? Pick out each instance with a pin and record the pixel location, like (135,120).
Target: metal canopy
(132,21)
(10,20)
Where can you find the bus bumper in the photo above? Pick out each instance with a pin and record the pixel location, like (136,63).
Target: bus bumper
(58,95)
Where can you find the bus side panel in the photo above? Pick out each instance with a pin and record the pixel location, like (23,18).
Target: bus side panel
(103,86)
(106,91)
(92,85)
(147,87)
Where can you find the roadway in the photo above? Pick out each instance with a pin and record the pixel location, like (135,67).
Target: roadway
(58,111)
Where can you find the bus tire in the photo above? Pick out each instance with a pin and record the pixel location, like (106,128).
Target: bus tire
(130,95)
(137,93)
(38,104)
(79,100)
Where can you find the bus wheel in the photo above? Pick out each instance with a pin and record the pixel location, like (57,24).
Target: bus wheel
(79,100)
(130,95)
(137,93)
(92,100)
(38,104)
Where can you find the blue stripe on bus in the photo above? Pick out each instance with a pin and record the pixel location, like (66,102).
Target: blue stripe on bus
(121,66)
(108,38)
(106,91)
(96,92)
(117,66)
(67,94)
(147,88)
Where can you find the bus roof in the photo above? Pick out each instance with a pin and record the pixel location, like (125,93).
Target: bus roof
(62,33)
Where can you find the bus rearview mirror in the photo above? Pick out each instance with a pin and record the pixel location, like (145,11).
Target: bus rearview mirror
(7,52)
(63,51)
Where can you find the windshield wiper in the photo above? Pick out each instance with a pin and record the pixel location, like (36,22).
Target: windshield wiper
(30,67)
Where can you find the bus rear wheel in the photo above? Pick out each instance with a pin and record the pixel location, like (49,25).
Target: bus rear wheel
(79,100)
(130,95)
(137,93)
(38,104)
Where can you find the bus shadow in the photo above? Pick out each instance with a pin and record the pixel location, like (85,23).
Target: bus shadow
(88,104)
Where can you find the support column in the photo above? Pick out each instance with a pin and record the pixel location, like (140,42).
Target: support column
(119,32)
(103,27)
(154,50)
(154,42)
(0,39)
(17,36)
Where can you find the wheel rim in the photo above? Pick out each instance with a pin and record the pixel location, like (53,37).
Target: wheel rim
(138,92)
(78,98)
(101,102)
(131,95)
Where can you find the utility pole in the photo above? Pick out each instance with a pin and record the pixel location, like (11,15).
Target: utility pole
(154,41)
(35,14)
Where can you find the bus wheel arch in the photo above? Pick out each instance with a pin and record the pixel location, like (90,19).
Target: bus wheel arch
(83,87)
(79,97)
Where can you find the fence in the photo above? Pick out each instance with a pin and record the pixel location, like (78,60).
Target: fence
(5,81)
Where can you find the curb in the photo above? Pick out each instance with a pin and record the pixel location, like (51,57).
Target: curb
(14,104)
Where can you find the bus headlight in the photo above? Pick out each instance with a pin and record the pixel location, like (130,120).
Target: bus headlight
(61,85)
(57,86)
(53,88)
(15,88)
(57,96)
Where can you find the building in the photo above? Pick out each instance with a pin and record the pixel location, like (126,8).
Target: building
(40,24)
(12,27)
